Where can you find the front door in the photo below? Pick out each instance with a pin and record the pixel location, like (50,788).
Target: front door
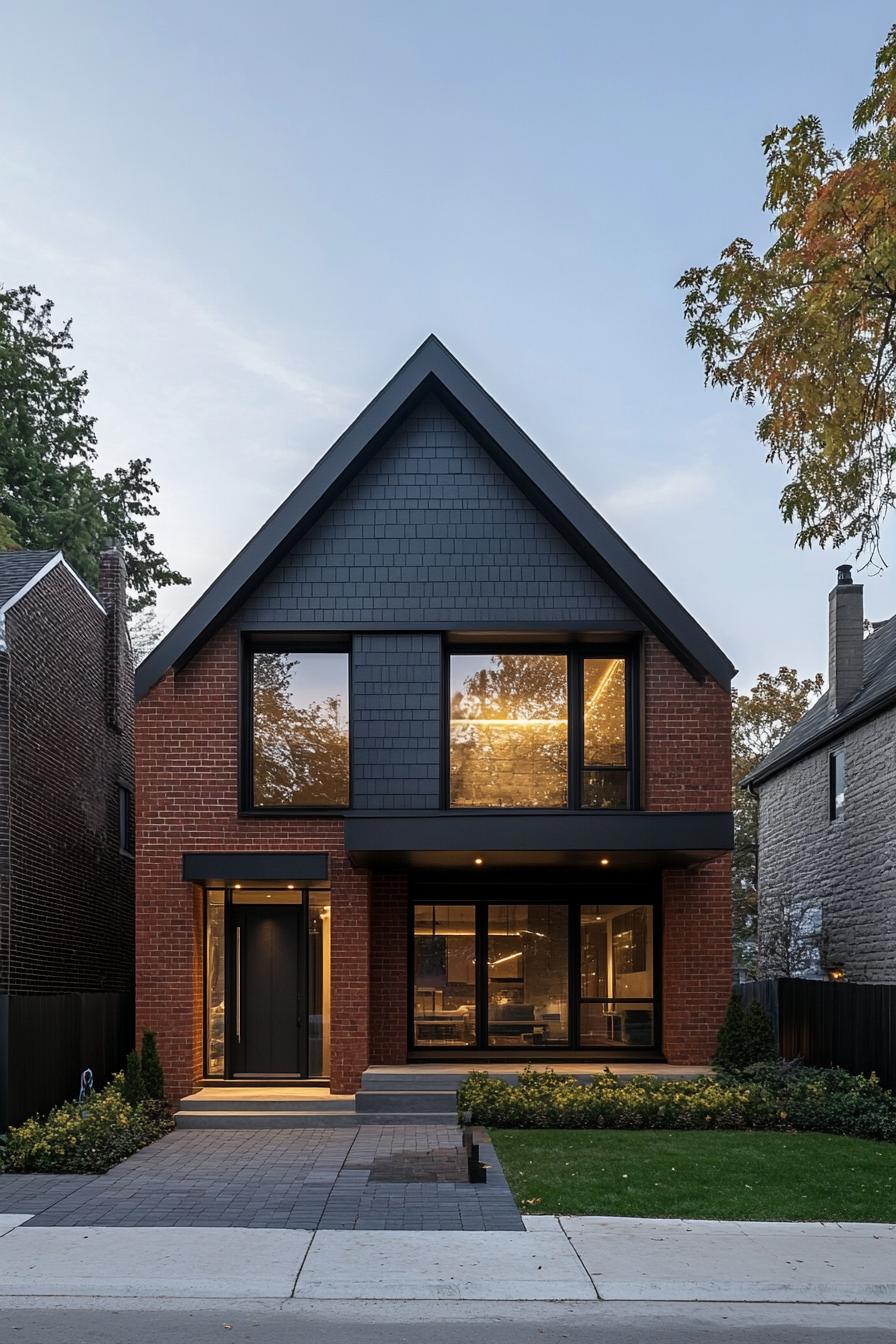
(268,991)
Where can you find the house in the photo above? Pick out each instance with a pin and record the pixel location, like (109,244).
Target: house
(435,769)
(66,829)
(827,812)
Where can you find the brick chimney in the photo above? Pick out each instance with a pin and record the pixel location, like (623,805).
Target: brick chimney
(114,596)
(846,655)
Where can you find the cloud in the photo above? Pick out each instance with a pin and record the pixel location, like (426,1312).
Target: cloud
(657,493)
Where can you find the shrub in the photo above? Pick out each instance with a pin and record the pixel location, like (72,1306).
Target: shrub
(761,1043)
(133,1088)
(731,1044)
(765,1096)
(89,1136)
(153,1077)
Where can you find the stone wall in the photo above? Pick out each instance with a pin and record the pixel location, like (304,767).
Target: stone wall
(846,867)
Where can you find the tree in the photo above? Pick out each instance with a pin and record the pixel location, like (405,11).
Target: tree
(759,720)
(151,1067)
(145,630)
(790,933)
(50,495)
(808,328)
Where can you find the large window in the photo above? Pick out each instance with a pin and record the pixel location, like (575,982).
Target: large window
(605,776)
(517,721)
(444,956)
(616,975)
(500,974)
(508,730)
(299,729)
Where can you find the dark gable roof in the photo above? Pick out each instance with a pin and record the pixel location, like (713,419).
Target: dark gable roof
(818,725)
(17,567)
(432,368)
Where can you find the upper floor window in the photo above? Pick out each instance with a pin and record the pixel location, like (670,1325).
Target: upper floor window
(836,784)
(518,720)
(299,728)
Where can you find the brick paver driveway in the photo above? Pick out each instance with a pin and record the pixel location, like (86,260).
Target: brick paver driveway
(394,1177)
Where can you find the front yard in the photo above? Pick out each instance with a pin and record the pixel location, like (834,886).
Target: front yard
(693,1174)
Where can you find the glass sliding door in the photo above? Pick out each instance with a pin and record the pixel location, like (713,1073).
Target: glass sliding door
(617,984)
(528,974)
(444,972)
(508,976)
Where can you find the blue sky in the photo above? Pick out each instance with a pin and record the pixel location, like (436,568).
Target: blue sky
(254,213)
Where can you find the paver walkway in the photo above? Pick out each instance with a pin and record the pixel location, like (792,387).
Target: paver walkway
(395,1177)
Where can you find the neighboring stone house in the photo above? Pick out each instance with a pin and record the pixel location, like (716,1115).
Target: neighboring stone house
(66,829)
(436,770)
(827,813)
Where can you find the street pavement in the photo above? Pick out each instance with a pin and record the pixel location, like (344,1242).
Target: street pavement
(444,1323)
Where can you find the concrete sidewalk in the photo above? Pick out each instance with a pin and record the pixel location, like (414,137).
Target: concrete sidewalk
(553,1260)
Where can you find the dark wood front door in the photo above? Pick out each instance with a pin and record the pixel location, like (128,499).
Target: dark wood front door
(266,1020)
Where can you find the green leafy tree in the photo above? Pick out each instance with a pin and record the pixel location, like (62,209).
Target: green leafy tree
(50,494)
(808,328)
(759,720)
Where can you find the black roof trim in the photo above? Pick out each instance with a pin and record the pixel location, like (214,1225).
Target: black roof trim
(432,368)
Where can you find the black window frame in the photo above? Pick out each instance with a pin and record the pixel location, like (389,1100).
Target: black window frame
(835,757)
(575,655)
(126,828)
(288,643)
(528,890)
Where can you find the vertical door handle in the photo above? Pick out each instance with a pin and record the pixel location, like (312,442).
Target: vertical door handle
(238,988)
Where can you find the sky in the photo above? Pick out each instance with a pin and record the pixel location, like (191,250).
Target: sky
(253,215)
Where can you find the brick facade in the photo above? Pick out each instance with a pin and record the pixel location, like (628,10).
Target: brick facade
(429,532)
(67,896)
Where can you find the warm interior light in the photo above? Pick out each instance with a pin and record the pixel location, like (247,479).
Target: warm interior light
(604,862)
(290,886)
(478,862)
(238,886)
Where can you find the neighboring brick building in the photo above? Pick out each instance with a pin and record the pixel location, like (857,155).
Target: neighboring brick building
(827,813)
(66,816)
(436,769)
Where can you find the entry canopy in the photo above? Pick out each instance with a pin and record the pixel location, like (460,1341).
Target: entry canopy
(254,867)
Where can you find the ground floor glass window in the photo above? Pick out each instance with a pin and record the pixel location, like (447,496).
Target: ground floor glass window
(501,974)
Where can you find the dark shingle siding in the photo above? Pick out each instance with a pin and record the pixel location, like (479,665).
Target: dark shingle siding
(431,530)
(17,567)
(395,720)
(879,683)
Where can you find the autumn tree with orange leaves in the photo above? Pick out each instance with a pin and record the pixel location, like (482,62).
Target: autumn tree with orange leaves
(808,328)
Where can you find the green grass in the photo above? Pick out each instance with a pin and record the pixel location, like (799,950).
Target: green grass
(695,1174)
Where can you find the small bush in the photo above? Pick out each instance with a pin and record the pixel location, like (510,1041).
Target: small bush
(88,1136)
(731,1044)
(133,1088)
(153,1077)
(764,1096)
(761,1044)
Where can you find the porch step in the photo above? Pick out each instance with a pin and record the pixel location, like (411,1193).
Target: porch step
(426,1101)
(244,1117)
(199,1105)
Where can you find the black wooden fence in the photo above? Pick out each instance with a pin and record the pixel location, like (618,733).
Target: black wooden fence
(828,1022)
(47,1039)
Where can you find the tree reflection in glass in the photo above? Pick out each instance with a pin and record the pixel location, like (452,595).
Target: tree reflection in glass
(300,729)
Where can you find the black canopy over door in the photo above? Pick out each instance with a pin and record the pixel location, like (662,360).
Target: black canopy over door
(266,1036)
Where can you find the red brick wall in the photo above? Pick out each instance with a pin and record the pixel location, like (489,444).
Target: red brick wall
(696,959)
(187,735)
(687,737)
(389,969)
(687,754)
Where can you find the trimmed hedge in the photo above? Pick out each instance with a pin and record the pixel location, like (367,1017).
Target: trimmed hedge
(766,1096)
(86,1136)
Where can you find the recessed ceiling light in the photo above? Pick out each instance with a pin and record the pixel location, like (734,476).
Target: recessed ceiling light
(478,862)
(289,886)
(238,886)
(604,862)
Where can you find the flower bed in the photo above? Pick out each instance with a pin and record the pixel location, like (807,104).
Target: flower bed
(88,1136)
(764,1097)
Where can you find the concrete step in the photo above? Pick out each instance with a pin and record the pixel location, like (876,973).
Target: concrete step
(405,1080)
(245,1118)
(317,1105)
(424,1102)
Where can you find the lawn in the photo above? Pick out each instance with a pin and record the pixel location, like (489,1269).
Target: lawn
(696,1174)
